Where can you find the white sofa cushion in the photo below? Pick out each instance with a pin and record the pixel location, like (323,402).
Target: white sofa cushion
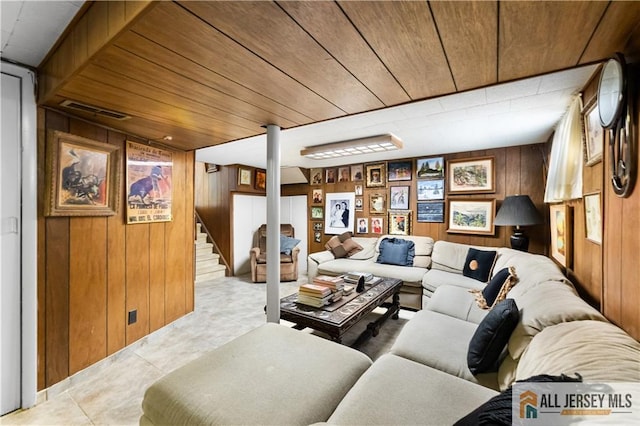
(548,304)
(598,351)
(397,391)
(441,342)
(410,275)
(456,302)
(436,278)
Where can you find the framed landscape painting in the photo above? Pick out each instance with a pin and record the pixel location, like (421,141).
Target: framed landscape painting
(560,225)
(593,134)
(431,212)
(430,189)
(430,168)
(593,217)
(471,176)
(472,216)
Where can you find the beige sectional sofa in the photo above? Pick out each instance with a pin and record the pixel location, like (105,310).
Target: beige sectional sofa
(277,375)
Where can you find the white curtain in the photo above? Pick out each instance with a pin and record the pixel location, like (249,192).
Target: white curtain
(564,181)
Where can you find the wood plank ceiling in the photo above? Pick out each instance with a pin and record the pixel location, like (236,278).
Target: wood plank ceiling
(212,72)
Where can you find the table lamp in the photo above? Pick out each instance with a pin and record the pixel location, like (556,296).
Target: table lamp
(518,210)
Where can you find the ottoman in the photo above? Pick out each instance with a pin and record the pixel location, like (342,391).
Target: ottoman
(271,375)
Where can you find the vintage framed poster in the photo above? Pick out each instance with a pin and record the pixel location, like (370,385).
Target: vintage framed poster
(472,216)
(471,175)
(399,170)
(399,222)
(431,212)
(430,168)
(399,197)
(340,208)
(561,226)
(593,134)
(375,175)
(83,176)
(149,174)
(593,217)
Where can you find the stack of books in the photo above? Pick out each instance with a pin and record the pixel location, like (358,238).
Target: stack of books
(354,277)
(333,283)
(314,295)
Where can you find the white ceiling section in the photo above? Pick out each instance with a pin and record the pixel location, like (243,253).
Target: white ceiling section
(30,28)
(517,113)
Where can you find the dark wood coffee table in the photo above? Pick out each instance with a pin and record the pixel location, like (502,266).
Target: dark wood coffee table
(337,321)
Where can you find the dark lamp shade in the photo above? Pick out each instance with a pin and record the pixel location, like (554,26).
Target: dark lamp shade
(518,210)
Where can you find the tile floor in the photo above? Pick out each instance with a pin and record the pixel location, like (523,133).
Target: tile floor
(110,392)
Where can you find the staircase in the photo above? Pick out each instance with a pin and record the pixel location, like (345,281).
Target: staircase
(207,262)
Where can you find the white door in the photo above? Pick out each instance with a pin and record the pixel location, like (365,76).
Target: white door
(10,244)
(18,239)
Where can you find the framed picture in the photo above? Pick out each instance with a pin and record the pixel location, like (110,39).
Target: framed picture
(317,226)
(399,222)
(363,226)
(431,212)
(340,217)
(399,170)
(593,134)
(430,168)
(561,225)
(593,217)
(358,189)
(317,212)
(472,175)
(359,203)
(377,225)
(399,196)
(375,175)
(330,175)
(244,176)
(83,176)
(430,189)
(316,196)
(315,176)
(317,237)
(356,173)
(149,172)
(343,174)
(377,203)
(472,216)
(261,180)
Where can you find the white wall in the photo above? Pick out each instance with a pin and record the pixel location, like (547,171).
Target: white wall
(250,211)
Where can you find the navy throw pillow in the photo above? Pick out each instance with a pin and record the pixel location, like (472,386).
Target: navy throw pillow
(479,264)
(497,289)
(396,251)
(492,336)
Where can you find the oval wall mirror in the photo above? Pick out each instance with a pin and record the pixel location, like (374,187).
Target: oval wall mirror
(615,116)
(611,92)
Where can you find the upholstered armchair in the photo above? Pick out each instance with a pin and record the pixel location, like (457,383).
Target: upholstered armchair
(288,262)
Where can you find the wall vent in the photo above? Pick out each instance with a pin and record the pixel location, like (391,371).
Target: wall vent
(94,110)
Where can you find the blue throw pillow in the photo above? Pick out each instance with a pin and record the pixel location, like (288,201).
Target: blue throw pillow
(396,251)
(479,264)
(287,244)
(492,336)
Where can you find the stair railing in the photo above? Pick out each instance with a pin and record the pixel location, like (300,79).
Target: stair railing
(210,239)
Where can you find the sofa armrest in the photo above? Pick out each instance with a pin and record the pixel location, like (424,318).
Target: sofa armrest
(321,257)
(254,253)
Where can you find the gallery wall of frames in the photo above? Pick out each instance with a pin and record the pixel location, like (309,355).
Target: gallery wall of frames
(448,197)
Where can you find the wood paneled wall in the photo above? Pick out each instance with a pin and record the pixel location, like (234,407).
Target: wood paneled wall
(621,293)
(214,202)
(519,170)
(94,270)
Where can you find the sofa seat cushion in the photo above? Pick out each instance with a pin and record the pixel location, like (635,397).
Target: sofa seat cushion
(435,278)
(456,302)
(440,341)
(410,275)
(284,258)
(398,391)
(256,379)
(598,351)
